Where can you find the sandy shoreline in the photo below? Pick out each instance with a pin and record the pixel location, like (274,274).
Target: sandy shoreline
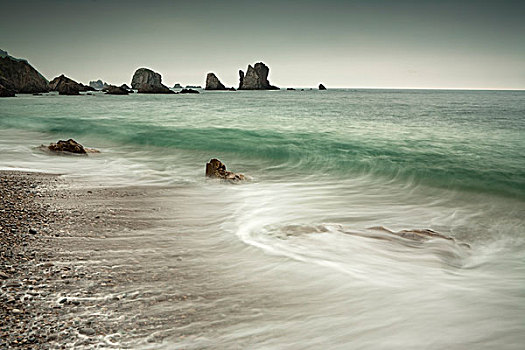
(59,286)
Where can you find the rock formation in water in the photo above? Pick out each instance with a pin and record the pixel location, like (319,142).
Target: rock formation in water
(321,87)
(70,146)
(256,78)
(98,85)
(188,91)
(177,86)
(193,87)
(67,86)
(418,235)
(145,76)
(217,169)
(117,90)
(125,86)
(149,82)
(213,83)
(18,76)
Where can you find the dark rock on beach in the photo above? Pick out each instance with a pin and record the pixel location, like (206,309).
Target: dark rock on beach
(213,83)
(256,78)
(322,87)
(70,146)
(217,169)
(19,76)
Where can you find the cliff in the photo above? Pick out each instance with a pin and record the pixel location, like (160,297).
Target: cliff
(20,77)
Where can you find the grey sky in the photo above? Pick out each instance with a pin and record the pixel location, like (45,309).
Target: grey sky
(369,43)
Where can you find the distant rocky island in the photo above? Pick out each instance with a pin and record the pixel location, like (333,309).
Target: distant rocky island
(256,78)
(18,76)
(147,81)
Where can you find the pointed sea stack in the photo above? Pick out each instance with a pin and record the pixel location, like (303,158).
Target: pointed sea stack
(321,87)
(256,78)
(213,83)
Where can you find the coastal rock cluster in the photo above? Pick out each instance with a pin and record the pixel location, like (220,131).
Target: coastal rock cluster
(67,86)
(98,84)
(18,76)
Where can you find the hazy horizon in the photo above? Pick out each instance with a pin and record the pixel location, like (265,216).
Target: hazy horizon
(353,44)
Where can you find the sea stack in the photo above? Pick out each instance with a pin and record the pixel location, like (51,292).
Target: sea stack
(149,82)
(213,83)
(256,78)
(18,76)
(321,87)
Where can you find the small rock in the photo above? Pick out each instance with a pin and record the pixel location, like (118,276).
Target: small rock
(32,231)
(87,331)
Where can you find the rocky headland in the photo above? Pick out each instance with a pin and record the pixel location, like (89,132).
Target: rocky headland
(18,76)
(256,78)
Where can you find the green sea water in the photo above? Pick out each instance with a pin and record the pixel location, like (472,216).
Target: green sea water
(470,140)
(325,167)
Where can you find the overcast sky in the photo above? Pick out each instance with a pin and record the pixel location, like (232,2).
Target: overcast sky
(368,43)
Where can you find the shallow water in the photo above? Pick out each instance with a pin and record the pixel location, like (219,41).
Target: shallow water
(293,252)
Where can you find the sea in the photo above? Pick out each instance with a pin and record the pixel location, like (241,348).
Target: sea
(304,255)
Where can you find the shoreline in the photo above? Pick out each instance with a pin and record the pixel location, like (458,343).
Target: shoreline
(54,293)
